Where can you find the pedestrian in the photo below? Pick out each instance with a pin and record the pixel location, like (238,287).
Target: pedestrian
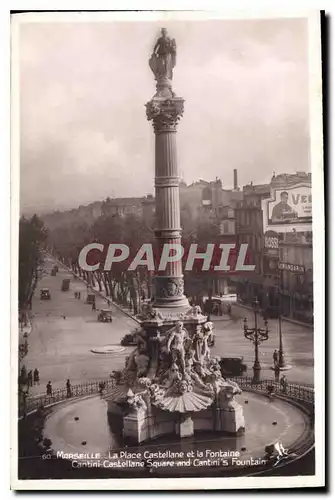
(271,391)
(102,386)
(23,374)
(275,357)
(49,388)
(36,377)
(30,378)
(68,388)
(93,306)
(75,295)
(79,295)
(283,384)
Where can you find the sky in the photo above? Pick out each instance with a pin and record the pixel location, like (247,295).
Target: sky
(83,86)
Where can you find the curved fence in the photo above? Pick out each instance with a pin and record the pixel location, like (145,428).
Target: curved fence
(292,391)
(29,404)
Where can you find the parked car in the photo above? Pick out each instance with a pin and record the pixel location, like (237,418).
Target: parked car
(129,339)
(105,316)
(219,305)
(90,298)
(45,294)
(232,366)
(271,312)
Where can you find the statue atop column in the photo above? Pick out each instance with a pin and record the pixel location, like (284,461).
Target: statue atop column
(163,58)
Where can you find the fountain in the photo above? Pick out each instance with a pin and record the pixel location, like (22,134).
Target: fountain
(171,387)
(170,383)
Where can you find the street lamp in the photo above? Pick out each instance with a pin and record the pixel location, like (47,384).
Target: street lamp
(256,335)
(281,355)
(23,394)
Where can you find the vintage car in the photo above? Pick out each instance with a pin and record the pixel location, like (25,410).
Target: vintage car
(45,294)
(105,315)
(232,367)
(219,305)
(129,339)
(65,285)
(90,298)
(271,312)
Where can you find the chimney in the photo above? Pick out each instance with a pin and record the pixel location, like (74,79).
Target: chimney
(235,180)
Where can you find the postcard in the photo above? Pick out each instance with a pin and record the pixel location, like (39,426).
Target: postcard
(167,250)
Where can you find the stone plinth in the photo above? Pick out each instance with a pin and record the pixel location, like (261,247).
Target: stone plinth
(135,426)
(151,423)
(230,419)
(185,427)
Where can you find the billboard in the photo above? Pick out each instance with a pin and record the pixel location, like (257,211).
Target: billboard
(288,208)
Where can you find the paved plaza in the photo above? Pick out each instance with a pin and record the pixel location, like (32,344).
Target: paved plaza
(65,330)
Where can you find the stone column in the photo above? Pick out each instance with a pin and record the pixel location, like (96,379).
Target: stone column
(165,114)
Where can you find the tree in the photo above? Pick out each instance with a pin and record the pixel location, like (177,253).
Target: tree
(32,237)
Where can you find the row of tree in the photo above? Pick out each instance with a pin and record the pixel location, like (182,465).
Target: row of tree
(119,283)
(32,239)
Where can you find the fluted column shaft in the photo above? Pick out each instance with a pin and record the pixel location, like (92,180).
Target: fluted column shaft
(165,113)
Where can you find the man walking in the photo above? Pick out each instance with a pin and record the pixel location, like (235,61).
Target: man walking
(49,388)
(30,378)
(36,377)
(68,388)
(275,358)
(283,384)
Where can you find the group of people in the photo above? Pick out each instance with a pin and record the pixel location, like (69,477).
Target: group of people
(67,385)
(30,378)
(77,295)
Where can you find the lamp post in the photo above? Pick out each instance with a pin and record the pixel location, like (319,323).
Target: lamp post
(23,394)
(256,335)
(281,355)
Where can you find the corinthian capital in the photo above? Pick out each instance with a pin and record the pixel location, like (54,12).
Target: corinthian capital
(165,114)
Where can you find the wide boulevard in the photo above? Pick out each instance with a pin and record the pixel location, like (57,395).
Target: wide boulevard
(65,330)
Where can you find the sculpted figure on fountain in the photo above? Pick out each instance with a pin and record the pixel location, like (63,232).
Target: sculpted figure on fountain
(175,344)
(203,336)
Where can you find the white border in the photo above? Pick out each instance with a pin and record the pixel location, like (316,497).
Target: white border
(318,241)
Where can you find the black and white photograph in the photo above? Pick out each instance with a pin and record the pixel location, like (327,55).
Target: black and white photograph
(167,250)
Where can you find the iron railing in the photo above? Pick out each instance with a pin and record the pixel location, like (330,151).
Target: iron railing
(87,388)
(292,391)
